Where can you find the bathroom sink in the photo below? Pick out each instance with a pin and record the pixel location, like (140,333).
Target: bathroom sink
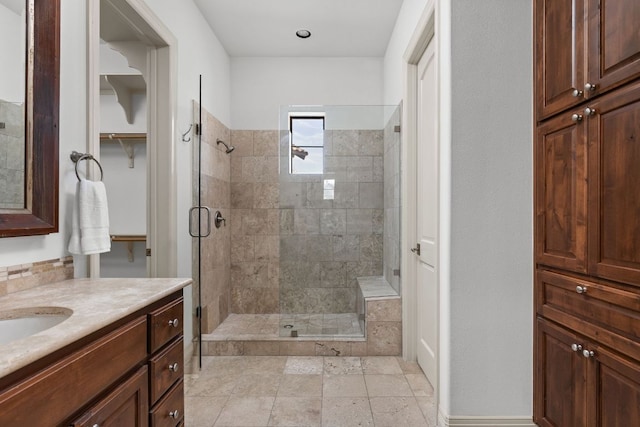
(24,322)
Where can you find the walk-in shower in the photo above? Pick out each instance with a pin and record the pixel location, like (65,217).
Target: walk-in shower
(339,213)
(310,208)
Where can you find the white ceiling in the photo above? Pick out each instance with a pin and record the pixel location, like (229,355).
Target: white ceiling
(267,27)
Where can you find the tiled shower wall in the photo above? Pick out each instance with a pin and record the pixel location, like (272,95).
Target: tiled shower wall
(255,218)
(326,242)
(12,151)
(216,248)
(392,202)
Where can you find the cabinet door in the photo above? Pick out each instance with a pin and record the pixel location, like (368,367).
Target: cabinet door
(616,383)
(561,193)
(559,55)
(613,43)
(126,406)
(560,376)
(614,186)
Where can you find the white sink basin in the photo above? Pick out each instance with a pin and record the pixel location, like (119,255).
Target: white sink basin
(24,322)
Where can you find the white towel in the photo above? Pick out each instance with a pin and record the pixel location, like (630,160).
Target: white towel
(90,223)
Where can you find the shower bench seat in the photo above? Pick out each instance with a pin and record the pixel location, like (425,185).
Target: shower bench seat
(379,309)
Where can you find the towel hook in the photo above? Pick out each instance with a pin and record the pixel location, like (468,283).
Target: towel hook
(78,157)
(185,134)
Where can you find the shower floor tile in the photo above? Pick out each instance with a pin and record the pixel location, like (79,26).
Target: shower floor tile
(266,327)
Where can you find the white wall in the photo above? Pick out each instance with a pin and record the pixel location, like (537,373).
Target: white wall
(394,79)
(261,85)
(492,192)
(485,72)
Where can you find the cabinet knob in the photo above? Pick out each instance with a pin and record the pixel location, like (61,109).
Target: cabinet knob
(174,414)
(576,117)
(577,93)
(589,111)
(588,353)
(581,289)
(174,367)
(590,87)
(174,323)
(576,347)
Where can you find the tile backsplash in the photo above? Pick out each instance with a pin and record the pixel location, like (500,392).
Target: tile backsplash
(19,277)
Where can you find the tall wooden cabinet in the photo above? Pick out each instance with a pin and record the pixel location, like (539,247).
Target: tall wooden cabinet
(587,213)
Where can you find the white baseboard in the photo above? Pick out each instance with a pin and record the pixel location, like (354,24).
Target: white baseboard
(463,421)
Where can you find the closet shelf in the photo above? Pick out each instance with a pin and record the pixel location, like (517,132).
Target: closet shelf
(128,238)
(126,141)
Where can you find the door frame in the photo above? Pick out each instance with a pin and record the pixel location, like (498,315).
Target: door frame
(161,130)
(424,34)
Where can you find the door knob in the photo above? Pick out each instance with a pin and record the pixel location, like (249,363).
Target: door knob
(576,117)
(577,93)
(576,347)
(581,289)
(589,111)
(590,87)
(588,353)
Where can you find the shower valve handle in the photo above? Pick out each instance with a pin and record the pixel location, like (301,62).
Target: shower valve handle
(218,219)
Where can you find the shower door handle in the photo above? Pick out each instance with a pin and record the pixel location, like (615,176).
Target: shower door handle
(199,209)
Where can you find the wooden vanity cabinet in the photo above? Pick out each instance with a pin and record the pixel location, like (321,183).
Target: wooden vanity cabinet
(127,405)
(107,379)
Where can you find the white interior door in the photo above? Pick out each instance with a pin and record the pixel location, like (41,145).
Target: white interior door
(427,215)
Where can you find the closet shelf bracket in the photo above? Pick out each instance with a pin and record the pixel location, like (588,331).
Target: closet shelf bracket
(127,142)
(129,240)
(127,146)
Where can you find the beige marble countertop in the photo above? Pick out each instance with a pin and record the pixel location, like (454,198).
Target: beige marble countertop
(95,303)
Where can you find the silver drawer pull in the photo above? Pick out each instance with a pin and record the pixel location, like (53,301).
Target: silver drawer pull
(588,354)
(174,323)
(576,347)
(174,367)
(581,289)
(174,414)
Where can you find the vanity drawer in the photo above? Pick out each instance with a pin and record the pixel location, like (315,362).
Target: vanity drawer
(170,410)
(75,380)
(165,323)
(603,305)
(166,369)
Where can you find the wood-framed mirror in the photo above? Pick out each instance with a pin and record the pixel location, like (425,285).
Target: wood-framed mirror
(39,214)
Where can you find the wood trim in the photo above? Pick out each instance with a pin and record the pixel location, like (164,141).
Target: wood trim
(41,215)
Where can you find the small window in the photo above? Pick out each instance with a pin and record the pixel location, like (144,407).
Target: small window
(307,144)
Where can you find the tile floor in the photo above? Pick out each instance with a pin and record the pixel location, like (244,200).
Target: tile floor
(301,391)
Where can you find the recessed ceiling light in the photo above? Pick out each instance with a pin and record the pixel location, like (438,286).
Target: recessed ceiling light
(303,34)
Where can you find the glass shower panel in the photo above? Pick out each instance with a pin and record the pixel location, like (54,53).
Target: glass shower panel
(332,218)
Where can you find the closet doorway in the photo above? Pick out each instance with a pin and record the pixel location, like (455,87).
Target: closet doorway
(131,56)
